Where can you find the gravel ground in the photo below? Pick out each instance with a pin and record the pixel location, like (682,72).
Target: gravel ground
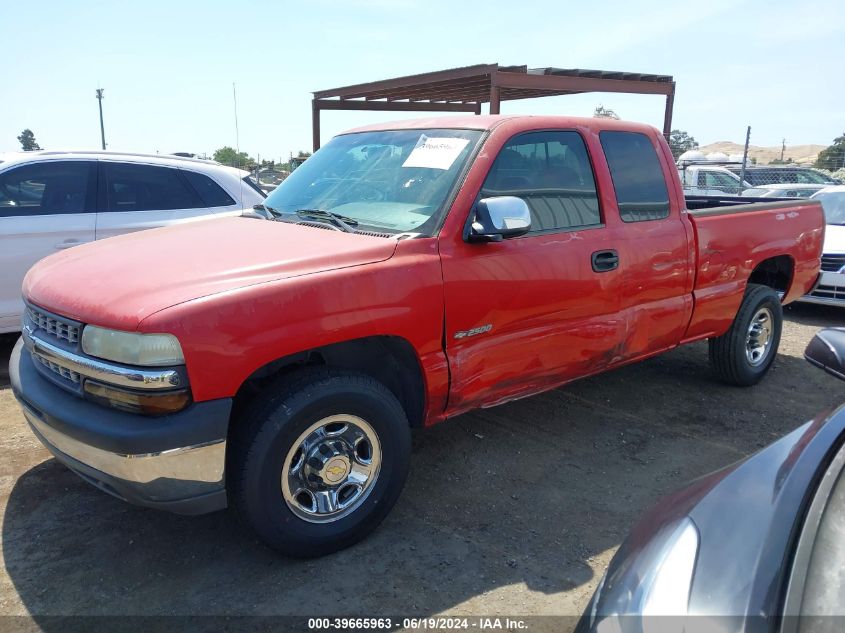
(508,511)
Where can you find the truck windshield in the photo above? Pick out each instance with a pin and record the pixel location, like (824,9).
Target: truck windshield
(387,181)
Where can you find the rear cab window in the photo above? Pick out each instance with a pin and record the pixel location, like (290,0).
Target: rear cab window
(638,178)
(551,171)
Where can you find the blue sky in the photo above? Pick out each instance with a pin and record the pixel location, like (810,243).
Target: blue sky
(168,67)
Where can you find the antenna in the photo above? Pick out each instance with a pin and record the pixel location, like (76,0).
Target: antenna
(237,134)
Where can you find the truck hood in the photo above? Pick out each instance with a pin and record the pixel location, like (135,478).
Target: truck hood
(834,239)
(120,281)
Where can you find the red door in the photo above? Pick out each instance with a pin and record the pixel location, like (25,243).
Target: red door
(654,250)
(532,312)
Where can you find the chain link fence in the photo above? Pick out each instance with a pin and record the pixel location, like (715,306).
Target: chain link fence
(719,174)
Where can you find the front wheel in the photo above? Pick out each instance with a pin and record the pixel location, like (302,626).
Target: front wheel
(743,354)
(317,465)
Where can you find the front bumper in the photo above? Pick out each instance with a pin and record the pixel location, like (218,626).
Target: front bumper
(829,290)
(173,462)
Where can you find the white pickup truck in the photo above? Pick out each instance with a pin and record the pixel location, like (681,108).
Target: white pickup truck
(710,180)
(50,201)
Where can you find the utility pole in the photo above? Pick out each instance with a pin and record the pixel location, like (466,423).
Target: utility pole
(782,149)
(744,158)
(102,129)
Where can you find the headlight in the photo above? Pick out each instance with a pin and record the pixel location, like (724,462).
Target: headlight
(654,582)
(132,348)
(668,593)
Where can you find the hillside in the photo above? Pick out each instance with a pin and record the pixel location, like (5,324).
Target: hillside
(765,155)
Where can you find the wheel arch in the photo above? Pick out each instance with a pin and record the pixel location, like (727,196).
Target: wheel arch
(392,360)
(775,272)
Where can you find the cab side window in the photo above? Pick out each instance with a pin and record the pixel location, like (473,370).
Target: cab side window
(637,176)
(551,171)
(47,188)
(131,187)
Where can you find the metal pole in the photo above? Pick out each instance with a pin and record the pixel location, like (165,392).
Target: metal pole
(102,128)
(744,157)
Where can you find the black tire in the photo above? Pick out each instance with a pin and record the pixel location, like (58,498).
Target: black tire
(728,352)
(268,429)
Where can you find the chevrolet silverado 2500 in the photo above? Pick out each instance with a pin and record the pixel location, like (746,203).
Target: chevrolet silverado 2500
(411,272)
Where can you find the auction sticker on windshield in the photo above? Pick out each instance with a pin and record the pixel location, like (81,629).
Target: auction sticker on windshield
(435,153)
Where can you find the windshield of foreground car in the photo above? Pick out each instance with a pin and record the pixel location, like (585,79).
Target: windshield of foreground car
(389,181)
(833,204)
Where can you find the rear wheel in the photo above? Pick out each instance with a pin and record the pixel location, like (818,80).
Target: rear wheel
(317,465)
(743,354)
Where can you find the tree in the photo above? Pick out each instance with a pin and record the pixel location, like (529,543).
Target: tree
(297,160)
(604,113)
(27,141)
(833,157)
(680,142)
(228,156)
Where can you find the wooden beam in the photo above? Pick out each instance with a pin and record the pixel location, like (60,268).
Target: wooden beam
(410,80)
(581,84)
(394,106)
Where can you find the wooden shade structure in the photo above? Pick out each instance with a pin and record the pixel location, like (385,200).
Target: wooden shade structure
(465,89)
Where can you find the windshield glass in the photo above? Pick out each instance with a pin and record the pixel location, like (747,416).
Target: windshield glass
(833,203)
(811,177)
(388,181)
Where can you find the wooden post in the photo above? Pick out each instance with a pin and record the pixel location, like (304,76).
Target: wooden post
(494,99)
(315,124)
(667,116)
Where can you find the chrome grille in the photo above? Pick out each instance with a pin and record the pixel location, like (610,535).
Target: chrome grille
(832,263)
(58,328)
(64,372)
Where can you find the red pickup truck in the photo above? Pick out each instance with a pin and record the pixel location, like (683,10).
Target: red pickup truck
(404,274)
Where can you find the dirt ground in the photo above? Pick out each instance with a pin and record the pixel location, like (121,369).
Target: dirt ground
(508,511)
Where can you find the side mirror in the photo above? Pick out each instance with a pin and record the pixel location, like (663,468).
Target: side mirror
(827,350)
(499,218)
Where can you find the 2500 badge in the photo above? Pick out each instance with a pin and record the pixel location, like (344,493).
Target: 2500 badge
(481,329)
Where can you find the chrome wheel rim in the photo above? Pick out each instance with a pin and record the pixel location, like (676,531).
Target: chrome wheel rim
(758,342)
(331,468)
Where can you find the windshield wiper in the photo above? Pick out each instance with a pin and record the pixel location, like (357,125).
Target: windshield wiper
(341,221)
(270,210)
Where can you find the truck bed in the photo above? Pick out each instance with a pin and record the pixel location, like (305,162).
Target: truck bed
(697,203)
(750,240)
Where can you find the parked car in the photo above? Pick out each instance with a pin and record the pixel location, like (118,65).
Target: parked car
(411,274)
(753,547)
(773,175)
(830,289)
(52,201)
(710,180)
(782,191)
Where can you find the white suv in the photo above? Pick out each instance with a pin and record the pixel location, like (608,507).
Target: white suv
(50,201)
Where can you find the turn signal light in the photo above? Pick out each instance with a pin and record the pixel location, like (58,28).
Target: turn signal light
(146,403)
